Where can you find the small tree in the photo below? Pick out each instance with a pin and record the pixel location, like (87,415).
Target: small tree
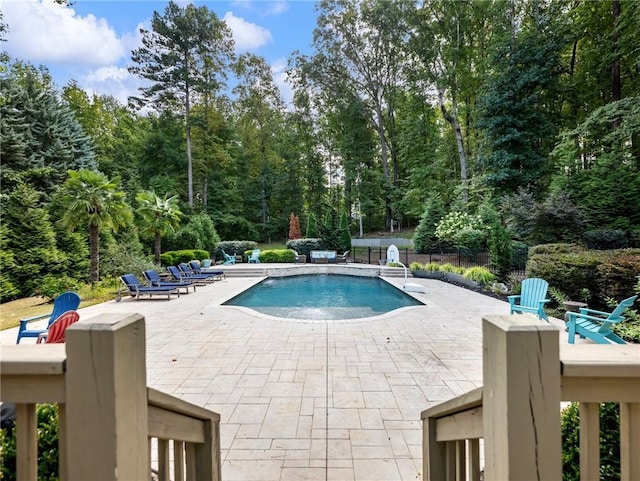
(93,201)
(312,227)
(159,216)
(294,227)
(345,234)
(425,235)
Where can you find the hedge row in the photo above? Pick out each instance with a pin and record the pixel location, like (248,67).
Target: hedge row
(571,269)
(274,255)
(172,258)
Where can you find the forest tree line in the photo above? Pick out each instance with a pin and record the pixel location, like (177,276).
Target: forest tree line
(525,113)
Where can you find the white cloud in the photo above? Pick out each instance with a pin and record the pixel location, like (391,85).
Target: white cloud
(45,32)
(247,36)
(112,80)
(279,72)
(277,8)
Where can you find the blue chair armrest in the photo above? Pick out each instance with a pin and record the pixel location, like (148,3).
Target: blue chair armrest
(512,299)
(29,319)
(586,310)
(576,316)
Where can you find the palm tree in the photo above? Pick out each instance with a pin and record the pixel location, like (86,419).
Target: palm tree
(90,199)
(159,216)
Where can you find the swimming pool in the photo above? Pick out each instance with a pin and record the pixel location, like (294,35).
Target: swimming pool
(323,297)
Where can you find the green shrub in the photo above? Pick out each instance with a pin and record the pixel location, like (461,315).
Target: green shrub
(277,255)
(571,272)
(416,266)
(448,268)
(481,275)
(124,261)
(233,247)
(172,258)
(199,232)
(609,442)
(432,267)
(48,467)
(461,230)
(500,249)
(617,273)
(603,239)
(574,271)
(52,286)
(305,246)
(559,248)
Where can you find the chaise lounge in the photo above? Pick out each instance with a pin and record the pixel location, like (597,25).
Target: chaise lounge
(137,289)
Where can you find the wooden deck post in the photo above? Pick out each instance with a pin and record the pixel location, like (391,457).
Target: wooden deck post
(106,391)
(521,398)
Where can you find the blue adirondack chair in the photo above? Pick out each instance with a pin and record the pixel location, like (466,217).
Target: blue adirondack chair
(596,325)
(532,298)
(68,301)
(255,256)
(227,258)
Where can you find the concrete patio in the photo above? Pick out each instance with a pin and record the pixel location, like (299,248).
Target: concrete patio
(313,400)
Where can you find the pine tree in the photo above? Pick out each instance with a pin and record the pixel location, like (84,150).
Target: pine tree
(312,227)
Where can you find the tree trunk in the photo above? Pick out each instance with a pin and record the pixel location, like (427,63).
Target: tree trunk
(187,121)
(94,244)
(384,160)
(616,81)
(452,118)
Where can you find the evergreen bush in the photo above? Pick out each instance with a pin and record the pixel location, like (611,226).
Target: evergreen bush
(602,239)
(312,227)
(233,247)
(424,237)
(305,246)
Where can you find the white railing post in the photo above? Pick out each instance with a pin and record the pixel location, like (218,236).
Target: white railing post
(106,390)
(521,398)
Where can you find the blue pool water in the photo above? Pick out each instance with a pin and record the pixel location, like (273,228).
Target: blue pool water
(323,297)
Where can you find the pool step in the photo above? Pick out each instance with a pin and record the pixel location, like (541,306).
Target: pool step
(257,270)
(245,272)
(393,272)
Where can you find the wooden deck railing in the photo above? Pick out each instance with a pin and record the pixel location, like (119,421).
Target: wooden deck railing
(110,423)
(515,416)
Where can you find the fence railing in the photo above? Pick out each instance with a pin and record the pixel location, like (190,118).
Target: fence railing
(111,426)
(456,257)
(515,416)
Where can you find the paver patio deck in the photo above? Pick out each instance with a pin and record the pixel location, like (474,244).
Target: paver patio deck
(316,400)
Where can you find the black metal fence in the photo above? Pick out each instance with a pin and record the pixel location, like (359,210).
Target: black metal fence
(456,257)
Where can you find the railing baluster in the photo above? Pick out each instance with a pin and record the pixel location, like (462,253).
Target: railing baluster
(461,461)
(589,441)
(629,441)
(178,461)
(474,460)
(163,460)
(26,442)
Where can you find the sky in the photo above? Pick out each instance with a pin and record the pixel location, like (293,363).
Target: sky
(91,40)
